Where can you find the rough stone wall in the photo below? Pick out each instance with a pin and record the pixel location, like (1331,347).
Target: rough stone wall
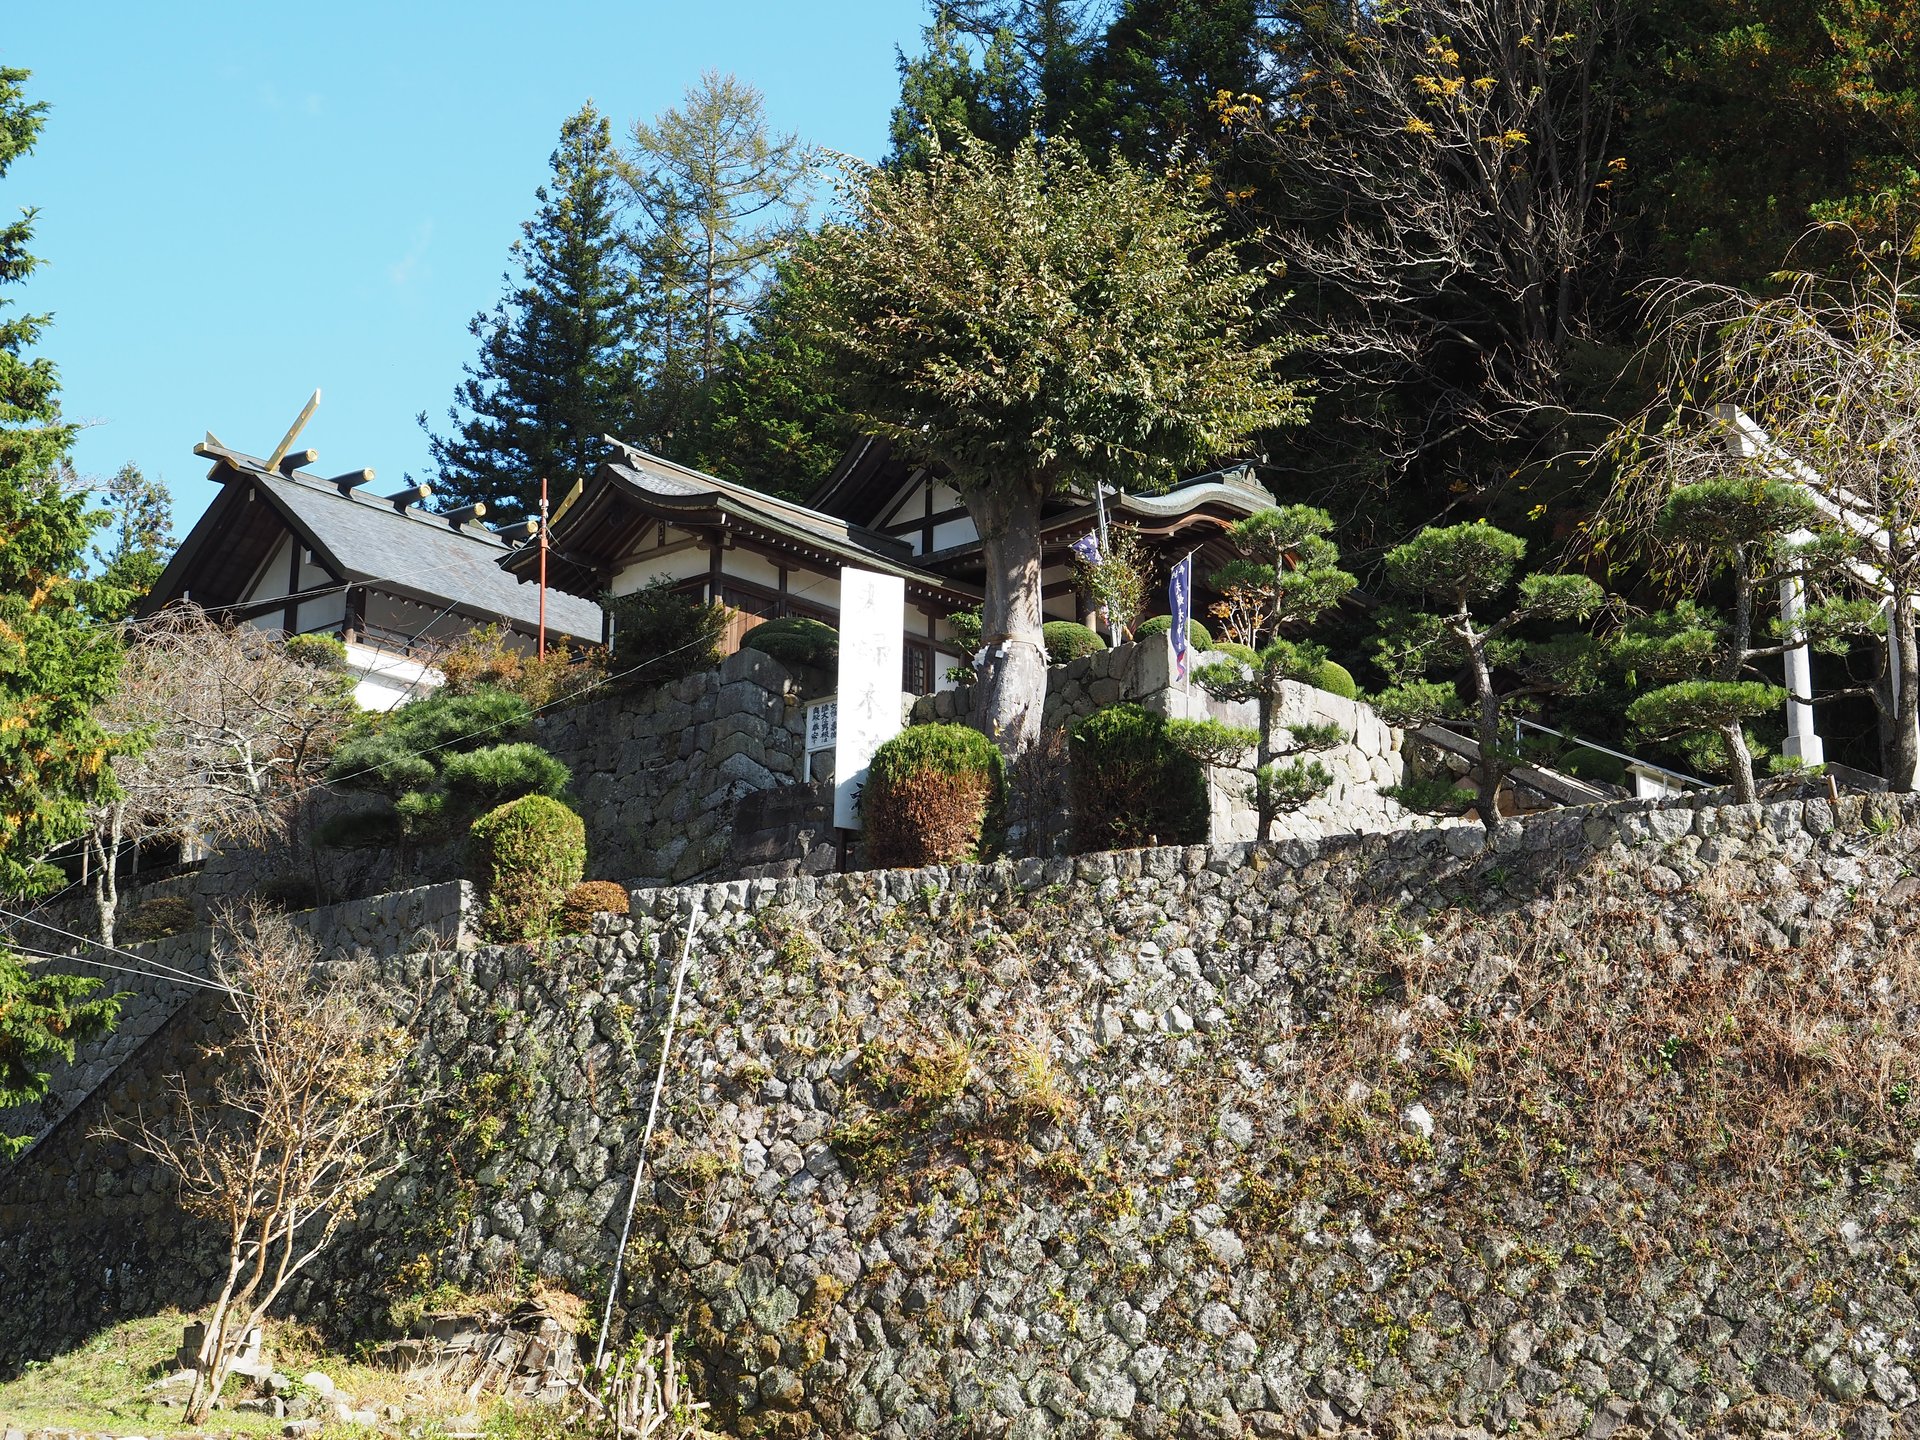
(150,995)
(1606,1124)
(659,773)
(1143,674)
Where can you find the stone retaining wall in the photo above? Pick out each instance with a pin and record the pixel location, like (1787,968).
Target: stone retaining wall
(1199,1141)
(1143,673)
(154,981)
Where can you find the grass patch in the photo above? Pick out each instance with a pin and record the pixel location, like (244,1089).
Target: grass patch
(102,1383)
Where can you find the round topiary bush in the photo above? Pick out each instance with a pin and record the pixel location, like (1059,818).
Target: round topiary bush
(794,641)
(1245,654)
(527,854)
(1336,680)
(932,796)
(1131,785)
(1198,637)
(588,899)
(1069,640)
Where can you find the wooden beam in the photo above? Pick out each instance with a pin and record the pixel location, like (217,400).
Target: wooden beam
(293,430)
(296,460)
(352,480)
(401,499)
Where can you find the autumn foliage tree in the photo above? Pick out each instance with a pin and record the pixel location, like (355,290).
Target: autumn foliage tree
(1035,321)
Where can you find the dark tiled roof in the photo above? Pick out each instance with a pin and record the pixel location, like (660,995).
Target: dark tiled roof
(594,529)
(412,551)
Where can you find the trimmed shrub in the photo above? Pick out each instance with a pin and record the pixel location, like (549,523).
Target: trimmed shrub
(1234,650)
(1335,680)
(1132,785)
(323,652)
(162,915)
(527,854)
(794,641)
(660,634)
(1198,637)
(932,796)
(1069,640)
(588,899)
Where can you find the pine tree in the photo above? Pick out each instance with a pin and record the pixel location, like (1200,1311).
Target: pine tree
(558,355)
(723,198)
(56,663)
(768,420)
(140,536)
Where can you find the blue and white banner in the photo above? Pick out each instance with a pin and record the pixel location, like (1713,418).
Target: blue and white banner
(1087,547)
(1180,604)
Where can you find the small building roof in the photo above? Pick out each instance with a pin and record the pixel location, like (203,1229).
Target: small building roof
(633,489)
(399,549)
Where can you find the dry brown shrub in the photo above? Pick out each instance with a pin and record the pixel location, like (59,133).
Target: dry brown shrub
(588,899)
(928,818)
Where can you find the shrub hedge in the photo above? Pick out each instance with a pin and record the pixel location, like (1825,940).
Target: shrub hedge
(1131,784)
(932,797)
(1198,636)
(1069,640)
(527,854)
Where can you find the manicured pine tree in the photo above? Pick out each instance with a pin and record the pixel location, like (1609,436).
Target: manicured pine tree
(56,660)
(1457,570)
(1285,577)
(559,355)
(1744,528)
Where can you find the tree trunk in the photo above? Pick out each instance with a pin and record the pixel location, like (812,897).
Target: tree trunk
(1903,750)
(1739,763)
(106,881)
(1013,671)
(1266,755)
(1486,729)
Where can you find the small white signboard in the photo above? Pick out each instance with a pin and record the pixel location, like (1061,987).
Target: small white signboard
(873,620)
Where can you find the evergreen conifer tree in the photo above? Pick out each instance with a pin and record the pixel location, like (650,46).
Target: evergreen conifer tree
(723,198)
(558,358)
(139,537)
(56,662)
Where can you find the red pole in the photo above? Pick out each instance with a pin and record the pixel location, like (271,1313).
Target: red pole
(543,567)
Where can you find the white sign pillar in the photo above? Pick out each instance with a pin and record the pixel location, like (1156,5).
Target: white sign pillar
(873,622)
(1803,741)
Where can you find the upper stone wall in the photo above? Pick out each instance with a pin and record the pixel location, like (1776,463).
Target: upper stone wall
(1603,1124)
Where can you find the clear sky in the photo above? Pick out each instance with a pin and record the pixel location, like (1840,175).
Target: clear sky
(241,202)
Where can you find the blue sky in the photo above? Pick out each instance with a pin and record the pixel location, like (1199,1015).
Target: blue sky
(240,202)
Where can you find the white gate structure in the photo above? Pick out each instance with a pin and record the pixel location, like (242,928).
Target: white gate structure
(1749,440)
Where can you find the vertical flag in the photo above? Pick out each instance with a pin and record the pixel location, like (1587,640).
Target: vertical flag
(1087,547)
(1180,603)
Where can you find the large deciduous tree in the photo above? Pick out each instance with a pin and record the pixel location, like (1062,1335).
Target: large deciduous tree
(1440,176)
(559,355)
(1032,322)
